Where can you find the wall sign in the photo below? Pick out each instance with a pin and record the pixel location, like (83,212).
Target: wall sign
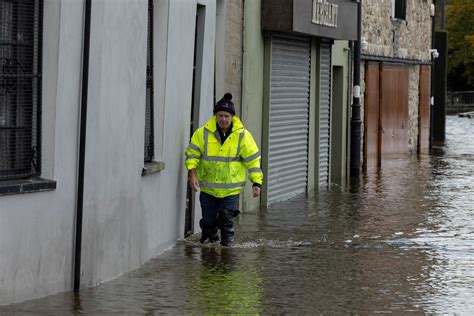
(324,13)
(335,19)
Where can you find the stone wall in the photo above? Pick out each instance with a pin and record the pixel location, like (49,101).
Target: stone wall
(413,105)
(376,27)
(233,51)
(410,38)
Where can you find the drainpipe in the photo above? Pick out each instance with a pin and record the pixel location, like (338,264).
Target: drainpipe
(82,146)
(432,83)
(349,51)
(356,121)
(443,14)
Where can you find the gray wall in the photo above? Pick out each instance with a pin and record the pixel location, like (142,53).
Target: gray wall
(340,109)
(229,35)
(233,52)
(113,212)
(128,219)
(252,84)
(36,230)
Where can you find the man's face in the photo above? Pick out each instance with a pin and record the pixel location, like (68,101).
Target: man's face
(224,119)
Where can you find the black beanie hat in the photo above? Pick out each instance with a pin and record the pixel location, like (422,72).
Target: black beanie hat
(225,104)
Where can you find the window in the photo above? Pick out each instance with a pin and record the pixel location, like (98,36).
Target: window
(20,88)
(149,139)
(399,9)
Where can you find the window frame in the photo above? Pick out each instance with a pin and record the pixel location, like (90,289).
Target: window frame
(150,165)
(30,79)
(21,34)
(399,9)
(149,108)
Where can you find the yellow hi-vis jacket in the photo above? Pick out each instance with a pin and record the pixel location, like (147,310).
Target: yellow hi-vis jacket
(221,168)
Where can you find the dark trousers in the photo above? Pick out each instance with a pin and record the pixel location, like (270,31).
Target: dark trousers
(210,204)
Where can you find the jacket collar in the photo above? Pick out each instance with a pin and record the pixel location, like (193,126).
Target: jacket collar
(211,125)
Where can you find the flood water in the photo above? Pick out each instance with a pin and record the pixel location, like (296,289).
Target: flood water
(402,241)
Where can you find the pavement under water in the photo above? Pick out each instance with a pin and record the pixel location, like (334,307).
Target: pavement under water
(400,241)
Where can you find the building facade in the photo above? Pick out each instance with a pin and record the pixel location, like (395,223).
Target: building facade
(296,90)
(395,82)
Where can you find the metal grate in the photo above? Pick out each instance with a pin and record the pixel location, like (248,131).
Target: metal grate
(149,139)
(20,88)
(459,101)
(324,112)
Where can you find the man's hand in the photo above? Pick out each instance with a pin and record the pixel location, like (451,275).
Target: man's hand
(256,191)
(193,181)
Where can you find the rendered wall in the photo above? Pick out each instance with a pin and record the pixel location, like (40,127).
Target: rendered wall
(36,229)
(340,112)
(252,85)
(233,51)
(178,99)
(128,218)
(113,213)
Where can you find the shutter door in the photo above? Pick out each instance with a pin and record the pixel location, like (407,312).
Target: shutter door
(324,112)
(289,117)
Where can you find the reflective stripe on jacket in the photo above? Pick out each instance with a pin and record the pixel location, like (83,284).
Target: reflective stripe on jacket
(221,168)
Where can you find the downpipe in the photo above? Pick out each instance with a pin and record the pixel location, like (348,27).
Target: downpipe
(82,147)
(432,77)
(356,121)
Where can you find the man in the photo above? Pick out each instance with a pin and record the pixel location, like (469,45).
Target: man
(218,158)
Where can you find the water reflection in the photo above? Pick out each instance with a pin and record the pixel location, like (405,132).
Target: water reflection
(402,241)
(223,283)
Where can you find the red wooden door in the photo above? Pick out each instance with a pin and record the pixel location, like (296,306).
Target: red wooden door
(371,116)
(393,110)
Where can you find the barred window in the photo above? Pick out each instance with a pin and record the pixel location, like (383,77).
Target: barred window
(20,88)
(399,9)
(149,139)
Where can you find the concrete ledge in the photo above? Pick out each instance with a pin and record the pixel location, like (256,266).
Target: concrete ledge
(21,186)
(152,167)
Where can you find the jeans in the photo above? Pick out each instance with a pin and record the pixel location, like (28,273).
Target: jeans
(210,204)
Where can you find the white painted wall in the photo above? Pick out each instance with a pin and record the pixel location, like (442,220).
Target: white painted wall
(36,229)
(128,219)
(113,213)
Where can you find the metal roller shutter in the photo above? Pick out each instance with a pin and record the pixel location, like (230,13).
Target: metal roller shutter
(324,112)
(289,116)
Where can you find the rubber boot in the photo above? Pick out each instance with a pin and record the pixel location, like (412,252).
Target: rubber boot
(226,224)
(208,232)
